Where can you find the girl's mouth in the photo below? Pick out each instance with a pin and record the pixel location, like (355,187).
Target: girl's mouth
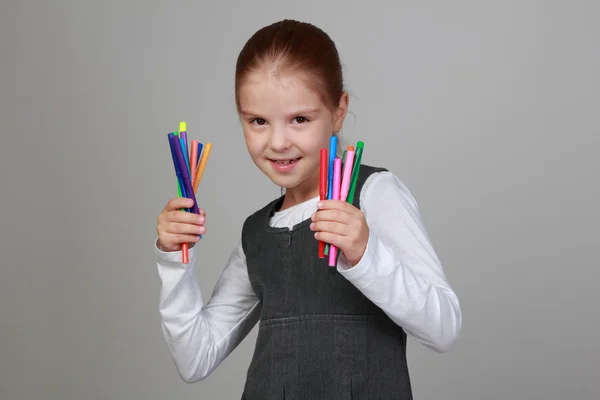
(284,166)
(285,162)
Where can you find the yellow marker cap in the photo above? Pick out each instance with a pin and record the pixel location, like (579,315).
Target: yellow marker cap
(182,126)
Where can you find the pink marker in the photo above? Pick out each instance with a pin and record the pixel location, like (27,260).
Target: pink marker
(348,163)
(337,172)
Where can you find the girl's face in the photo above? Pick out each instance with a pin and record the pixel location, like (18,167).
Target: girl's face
(286,124)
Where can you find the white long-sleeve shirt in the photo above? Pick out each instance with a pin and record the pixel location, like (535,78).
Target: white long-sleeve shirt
(399,272)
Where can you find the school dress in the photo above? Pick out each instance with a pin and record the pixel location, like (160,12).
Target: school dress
(319,337)
(320,332)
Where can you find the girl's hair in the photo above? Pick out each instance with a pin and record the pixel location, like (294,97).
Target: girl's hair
(288,46)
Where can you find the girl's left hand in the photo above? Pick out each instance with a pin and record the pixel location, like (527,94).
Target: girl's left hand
(341,224)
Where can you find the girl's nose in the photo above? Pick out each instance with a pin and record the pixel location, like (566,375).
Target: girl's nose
(279,140)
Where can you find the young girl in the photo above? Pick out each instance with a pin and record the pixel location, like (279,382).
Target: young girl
(324,333)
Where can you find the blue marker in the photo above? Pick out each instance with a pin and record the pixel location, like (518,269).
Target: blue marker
(332,155)
(174,141)
(185,154)
(198,153)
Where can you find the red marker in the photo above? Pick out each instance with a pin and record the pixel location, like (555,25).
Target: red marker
(323,191)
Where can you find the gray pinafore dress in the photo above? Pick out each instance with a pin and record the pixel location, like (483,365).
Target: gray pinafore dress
(319,337)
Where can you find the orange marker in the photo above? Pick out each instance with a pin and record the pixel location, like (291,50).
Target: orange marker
(201,165)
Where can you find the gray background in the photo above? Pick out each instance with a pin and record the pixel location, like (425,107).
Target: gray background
(486,110)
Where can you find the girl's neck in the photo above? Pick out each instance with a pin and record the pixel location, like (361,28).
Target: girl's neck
(300,194)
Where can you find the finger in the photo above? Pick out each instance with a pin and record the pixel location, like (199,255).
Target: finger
(334,239)
(335,205)
(202,212)
(330,227)
(177,228)
(170,242)
(178,203)
(185,217)
(179,239)
(333,215)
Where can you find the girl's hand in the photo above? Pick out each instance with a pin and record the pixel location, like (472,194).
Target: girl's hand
(341,224)
(175,226)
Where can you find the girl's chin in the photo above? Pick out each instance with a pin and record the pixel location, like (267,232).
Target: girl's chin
(300,185)
(289,177)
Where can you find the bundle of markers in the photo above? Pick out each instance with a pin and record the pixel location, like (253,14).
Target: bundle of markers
(189,162)
(338,182)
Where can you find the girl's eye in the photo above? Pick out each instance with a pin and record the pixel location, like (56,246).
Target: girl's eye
(258,121)
(300,120)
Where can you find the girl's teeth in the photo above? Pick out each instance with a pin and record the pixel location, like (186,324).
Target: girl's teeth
(285,162)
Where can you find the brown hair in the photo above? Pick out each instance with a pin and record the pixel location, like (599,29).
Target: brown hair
(290,45)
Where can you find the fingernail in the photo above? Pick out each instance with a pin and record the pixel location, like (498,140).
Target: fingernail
(312,226)
(320,204)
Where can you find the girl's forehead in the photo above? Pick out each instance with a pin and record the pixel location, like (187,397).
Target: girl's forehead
(277,81)
(278,90)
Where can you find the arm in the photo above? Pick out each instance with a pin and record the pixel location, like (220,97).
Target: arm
(399,270)
(201,336)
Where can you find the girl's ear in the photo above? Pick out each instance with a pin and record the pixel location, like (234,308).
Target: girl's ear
(341,112)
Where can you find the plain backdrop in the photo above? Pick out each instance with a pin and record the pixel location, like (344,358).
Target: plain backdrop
(487,110)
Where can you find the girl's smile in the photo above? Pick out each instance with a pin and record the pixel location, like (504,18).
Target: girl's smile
(284,165)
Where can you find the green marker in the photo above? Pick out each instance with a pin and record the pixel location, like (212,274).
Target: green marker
(357,158)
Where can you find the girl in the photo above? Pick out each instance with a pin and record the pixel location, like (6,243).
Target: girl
(324,333)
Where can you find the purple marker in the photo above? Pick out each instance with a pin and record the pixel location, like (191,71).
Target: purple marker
(186,177)
(174,141)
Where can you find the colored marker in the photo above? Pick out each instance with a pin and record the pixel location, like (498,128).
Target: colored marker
(202,165)
(198,154)
(337,170)
(332,156)
(175,165)
(180,188)
(184,152)
(323,192)
(183,135)
(193,160)
(202,158)
(184,246)
(357,160)
(187,184)
(199,170)
(347,173)
(174,142)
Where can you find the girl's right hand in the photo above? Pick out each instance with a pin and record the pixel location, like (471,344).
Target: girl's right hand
(175,226)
